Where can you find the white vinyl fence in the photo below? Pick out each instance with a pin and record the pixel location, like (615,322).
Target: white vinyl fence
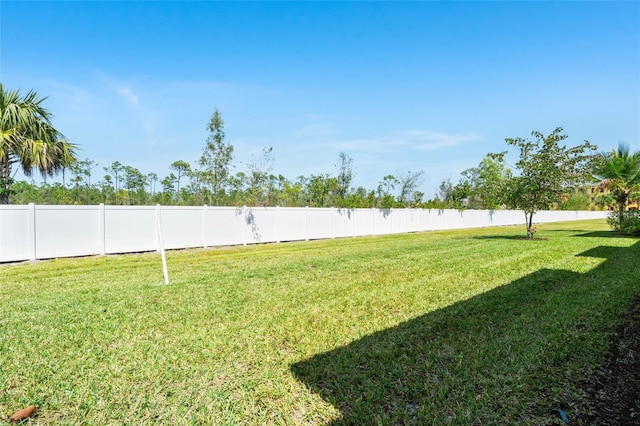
(30,232)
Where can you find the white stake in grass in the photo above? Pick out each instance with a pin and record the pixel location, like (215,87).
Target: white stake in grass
(162,254)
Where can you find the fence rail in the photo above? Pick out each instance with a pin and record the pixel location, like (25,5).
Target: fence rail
(30,232)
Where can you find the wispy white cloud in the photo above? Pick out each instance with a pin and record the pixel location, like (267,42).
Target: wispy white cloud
(315,126)
(73,97)
(399,142)
(139,121)
(430,141)
(128,95)
(440,155)
(174,113)
(190,87)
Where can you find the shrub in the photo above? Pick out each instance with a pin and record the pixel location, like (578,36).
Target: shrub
(613,220)
(630,223)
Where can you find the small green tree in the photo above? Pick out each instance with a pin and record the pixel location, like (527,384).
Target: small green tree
(452,196)
(292,194)
(259,180)
(461,195)
(487,182)
(168,188)
(321,190)
(117,170)
(345,175)
(106,188)
(81,177)
(547,170)
(577,200)
(408,185)
(216,159)
(152,178)
(384,198)
(182,168)
(135,183)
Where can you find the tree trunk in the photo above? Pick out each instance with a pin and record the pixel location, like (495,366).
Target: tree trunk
(621,212)
(530,230)
(5,182)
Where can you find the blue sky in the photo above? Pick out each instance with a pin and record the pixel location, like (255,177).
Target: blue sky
(397,86)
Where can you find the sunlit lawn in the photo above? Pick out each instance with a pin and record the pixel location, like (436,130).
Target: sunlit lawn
(457,327)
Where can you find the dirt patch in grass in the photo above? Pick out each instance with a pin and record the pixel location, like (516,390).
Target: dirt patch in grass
(614,389)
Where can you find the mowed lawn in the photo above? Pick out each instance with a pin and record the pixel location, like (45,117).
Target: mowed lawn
(457,327)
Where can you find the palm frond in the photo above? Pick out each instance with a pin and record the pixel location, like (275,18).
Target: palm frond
(28,138)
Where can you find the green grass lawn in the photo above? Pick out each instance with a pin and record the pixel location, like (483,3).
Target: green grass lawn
(457,327)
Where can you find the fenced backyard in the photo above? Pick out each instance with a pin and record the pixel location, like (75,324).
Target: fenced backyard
(474,326)
(30,232)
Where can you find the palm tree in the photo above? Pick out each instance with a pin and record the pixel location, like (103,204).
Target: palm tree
(619,172)
(27,138)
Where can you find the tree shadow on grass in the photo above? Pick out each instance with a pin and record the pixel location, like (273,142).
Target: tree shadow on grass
(604,234)
(511,355)
(522,236)
(582,233)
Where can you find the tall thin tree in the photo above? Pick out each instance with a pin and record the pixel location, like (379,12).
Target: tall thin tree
(216,158)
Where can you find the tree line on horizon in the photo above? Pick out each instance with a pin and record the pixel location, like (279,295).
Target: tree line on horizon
(547,175)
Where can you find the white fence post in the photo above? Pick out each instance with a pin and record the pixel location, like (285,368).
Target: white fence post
(31,231)
(276,224)
(203,231)
(373,221)
(243,222)
(158,215)
(331,222)
(163,256)
(306,223)
(101,230)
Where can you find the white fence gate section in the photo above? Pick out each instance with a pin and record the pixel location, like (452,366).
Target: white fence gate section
(30,232)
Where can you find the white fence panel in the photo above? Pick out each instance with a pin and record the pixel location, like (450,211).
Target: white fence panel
(319,224)
(182,227)
(506,217)
(560,216)
(446,219)
(475,218)
(542,217)
(437,219)
(66,232)
(414,220)
(17,241)
(130,229)
(259,225)
(223,226)
(426,220)
(292,224)
(341,223)
(398,221)
(363,221)
(382,222)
